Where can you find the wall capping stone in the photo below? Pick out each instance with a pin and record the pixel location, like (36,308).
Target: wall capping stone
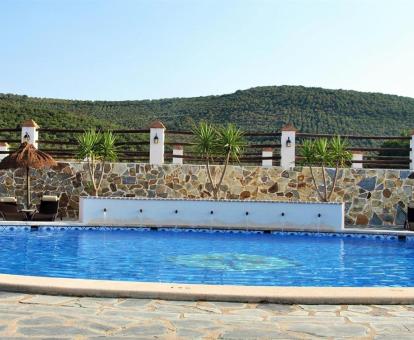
(208,199)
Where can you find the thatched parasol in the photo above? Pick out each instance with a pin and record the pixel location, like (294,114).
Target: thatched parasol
(27,156)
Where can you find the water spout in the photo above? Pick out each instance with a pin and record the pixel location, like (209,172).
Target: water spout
(282,220)
(318,224)
(140,217)
(246,221)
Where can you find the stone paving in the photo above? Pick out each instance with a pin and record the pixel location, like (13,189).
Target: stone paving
(62,317)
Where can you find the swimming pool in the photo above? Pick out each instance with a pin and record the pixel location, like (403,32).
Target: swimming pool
(209,257)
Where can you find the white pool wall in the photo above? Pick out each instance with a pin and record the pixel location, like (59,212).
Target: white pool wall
(271,215)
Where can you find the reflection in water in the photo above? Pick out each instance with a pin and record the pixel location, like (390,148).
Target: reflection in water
(231,261)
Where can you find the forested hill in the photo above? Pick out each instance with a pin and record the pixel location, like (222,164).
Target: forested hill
(260,108)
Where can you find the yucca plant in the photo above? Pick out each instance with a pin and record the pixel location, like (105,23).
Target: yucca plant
(323,153)
(308,153)
(221,144)
(96,148)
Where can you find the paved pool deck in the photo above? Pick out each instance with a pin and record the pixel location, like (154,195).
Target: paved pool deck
(62,317)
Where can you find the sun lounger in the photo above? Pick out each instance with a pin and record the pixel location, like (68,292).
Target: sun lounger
(48,209)
(409,222)
(9,211)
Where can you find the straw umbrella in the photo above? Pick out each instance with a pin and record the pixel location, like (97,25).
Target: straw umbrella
(27,156)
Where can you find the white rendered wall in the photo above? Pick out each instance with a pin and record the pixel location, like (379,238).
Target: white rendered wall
(177,152)
(3,147)
(357,157)
(228,214)
(157,150)
(267,162)
(33,134)
(287,154)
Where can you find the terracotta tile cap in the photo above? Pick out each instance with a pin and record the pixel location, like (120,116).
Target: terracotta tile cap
(157,125)
(30,123)
(178,147)
(4,144)
(267,149)
(289,127)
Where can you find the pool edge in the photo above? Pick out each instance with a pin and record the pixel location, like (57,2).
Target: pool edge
(192,292)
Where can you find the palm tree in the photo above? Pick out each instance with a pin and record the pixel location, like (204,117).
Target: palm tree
(97,149)
(339,157)
(323,153)
(212,143)
(308,154)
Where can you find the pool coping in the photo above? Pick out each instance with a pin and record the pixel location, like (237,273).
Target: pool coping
(194,292)
(75,223)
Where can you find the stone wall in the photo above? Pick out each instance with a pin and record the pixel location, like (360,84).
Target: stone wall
(372,196)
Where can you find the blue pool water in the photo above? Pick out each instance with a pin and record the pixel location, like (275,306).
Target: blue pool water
(278,259)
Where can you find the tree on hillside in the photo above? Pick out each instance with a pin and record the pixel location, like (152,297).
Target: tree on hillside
(395,144)
(260,108)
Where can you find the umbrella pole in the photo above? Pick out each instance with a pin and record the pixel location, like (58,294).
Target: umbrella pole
(28,188)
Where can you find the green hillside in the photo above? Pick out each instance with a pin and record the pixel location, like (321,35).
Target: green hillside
(261,108)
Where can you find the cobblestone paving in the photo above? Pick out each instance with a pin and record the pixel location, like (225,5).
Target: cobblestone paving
(61,317)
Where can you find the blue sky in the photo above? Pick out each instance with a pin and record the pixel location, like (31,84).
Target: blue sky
(137,49)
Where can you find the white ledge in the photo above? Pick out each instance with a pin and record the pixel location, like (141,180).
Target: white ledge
(205,199)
